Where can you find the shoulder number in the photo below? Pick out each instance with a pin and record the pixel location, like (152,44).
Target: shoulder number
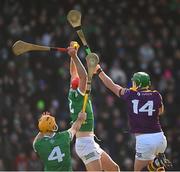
(147,107)
(70,106)
(56,154)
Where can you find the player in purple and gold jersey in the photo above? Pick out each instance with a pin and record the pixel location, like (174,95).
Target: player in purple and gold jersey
(144,108)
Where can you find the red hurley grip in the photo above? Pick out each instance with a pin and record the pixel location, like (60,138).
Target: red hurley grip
(62,49)
(58,49)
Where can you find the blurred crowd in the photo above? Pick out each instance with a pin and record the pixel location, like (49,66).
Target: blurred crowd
(128,36)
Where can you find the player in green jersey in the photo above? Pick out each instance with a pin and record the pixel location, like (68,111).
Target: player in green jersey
(94,158)
(54,147)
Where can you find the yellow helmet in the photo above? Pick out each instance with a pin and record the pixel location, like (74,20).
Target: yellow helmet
(47,123)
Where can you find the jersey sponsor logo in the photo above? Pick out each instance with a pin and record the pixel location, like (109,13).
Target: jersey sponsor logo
(144,94)
(147,94)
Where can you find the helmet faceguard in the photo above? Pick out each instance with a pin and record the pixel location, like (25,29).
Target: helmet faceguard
(141,79)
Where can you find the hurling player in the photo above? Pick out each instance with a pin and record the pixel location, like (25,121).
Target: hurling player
(54,147)
(144,108)
(94,158)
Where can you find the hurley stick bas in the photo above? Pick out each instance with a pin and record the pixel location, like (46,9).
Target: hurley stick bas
(92,60)
(74,18)
(21,47)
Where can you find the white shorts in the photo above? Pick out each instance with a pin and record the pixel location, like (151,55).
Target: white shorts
(87,149)
(149,145)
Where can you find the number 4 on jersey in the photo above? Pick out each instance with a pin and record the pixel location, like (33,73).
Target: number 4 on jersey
(147,107)
(56,154)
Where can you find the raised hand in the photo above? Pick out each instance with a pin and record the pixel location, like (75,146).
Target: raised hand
(73,48)
(97,67)
(82,116)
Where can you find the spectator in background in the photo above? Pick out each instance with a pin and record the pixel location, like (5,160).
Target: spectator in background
(146,55)
(118,74)
(21,162)
(2,168)
(34,164)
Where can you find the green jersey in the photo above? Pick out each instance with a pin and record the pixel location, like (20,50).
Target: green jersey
(76,99)
(55,151)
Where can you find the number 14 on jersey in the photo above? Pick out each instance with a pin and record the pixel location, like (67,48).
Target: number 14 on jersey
(147,107)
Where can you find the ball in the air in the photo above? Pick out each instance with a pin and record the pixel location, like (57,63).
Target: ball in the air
(75,45)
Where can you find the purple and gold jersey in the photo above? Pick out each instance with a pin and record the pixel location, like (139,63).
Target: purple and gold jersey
(143,109)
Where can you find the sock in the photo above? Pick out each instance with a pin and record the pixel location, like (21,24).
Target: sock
(156,163)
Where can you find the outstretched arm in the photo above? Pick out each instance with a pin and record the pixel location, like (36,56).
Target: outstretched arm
(77,124)
(77,68)
(107,81)
(73,70)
